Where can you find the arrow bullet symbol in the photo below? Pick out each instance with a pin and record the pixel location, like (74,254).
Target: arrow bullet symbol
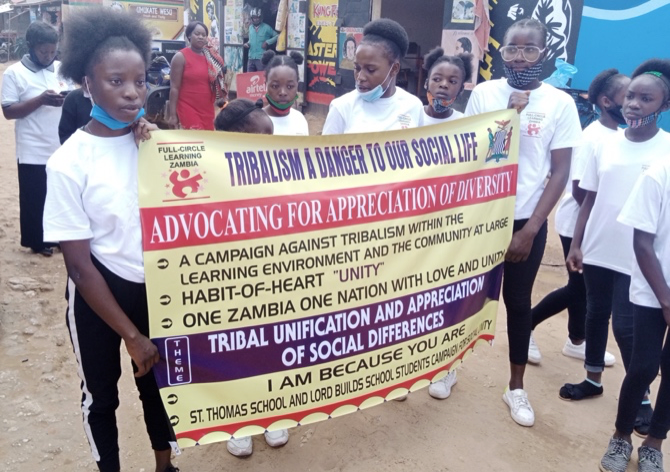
(165,300)
(163,263)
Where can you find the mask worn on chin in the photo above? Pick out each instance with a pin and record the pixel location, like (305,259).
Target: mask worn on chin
(440,105)
(644,121)
(282,109)
(615,113)
(377,92)
(99,114)
(521,78)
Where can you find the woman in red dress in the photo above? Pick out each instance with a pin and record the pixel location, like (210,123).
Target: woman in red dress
(196,82)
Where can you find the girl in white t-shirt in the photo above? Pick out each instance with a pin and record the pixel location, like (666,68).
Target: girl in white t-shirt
(281,82)
(30,95)
(244,116)
(550,128)
(376,104)
(446,76)
(606,92)
(444,84)
(603,247)
(647,210)
(92,211)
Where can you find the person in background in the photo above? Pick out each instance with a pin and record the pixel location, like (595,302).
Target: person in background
(244,116)
(445,83)
(76,113)
(605,92)
(31,96)
(281,81)
(196,82)
(261,35)
(376,104)
(550,128)
(602,247)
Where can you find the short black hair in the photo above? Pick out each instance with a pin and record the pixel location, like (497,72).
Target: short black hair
(661,66)
(91,33)
(530,23)
(466,44)
(437,56)
(607,83)
(40,32)
(238,114)
(271,60)
(390,35)
(191,26)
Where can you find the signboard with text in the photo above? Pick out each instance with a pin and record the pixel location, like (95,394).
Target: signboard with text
(294,279)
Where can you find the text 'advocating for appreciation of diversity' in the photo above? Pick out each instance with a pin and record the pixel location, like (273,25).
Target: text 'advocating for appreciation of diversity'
(294,279)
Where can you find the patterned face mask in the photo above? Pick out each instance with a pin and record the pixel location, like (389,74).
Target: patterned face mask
(440,105)
(644,121)
(521,78)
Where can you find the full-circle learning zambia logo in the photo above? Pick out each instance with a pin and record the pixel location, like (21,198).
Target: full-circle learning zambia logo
(500,141)
(185,179)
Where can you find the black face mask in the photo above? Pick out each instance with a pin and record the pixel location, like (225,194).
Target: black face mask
(615,113)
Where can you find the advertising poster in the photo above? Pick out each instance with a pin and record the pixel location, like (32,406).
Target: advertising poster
(164,19)
(463,41)
(322,51)
(350,38)
(250,85)
(296,26)
(295,279)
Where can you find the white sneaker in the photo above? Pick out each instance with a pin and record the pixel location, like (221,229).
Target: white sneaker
(578,351)
(442,388)
(276,438)
(534,354)
(240,447)
(519,406)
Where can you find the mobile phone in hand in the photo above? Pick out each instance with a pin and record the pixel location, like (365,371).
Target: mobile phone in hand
(64,93)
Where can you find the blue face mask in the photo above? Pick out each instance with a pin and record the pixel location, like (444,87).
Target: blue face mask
(105,118)
(112,123)
(377,92)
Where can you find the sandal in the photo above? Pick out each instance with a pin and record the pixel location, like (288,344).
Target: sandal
(580,391)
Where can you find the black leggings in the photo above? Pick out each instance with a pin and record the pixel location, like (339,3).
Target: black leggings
(517,288)
(649,353)
(96,347)
(572,297)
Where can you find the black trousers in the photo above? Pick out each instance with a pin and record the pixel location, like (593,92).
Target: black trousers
(32,195)
(97,348)
(517,288)
(649,352)
(572,296)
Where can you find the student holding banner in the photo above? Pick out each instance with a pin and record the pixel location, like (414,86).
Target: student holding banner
(281,80)
(550,128)
(376,104)
(606,92)
(93,212)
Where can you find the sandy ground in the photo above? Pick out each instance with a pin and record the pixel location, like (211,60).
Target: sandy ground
(471,431)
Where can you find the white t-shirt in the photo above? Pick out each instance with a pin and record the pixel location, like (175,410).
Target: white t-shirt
(429,120)
(648,209)
(612,172)
(36,134)
(568,208)
(293,124)
(92,194)
(351,114)
(550,121)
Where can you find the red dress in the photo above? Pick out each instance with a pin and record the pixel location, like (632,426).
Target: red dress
(195,106)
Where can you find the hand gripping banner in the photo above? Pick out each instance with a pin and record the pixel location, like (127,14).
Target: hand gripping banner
(295,279)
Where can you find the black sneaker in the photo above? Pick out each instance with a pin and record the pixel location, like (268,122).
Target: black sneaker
(643,420)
